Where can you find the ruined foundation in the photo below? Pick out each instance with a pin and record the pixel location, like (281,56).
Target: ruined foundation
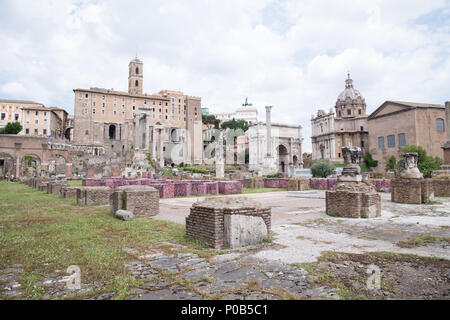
(352,197)
(441,187)
(412,191)
(93,195)
(298,184)
(68,192)
(231,222)
(140,200)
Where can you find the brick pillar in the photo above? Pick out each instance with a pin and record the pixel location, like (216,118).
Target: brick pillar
(68,170)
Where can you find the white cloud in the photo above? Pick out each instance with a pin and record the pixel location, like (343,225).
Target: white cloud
(291,54)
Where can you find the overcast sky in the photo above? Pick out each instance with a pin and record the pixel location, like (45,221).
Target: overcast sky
(293,55)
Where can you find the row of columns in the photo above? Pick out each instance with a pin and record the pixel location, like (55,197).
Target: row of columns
(157,131)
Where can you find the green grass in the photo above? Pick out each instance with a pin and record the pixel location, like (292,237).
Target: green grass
(45,233)
(260,190)
(75,183)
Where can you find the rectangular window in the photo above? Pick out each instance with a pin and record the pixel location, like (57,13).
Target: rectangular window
(36,121)
(103,111)
(45,121)
(103,97)
(16,117)
(93,111)
(79,95)
(86,132)
(391,141)
(45,132)
(3,116)
(380,142)
(27,131)
(401,139)
(93,103)
(35,131)
(115,112)
(36,113)
(349,112)
(87,95)
(28,111)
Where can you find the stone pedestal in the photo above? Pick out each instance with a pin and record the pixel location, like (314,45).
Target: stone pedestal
(68,192)
(232,222)
(412,191)
(352,197)
(441,186)
(353,200)
(140,200)
(298,184)
(55,187)
(93,195)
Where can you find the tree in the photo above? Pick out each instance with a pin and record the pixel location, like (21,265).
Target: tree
(426,164)
(370,163)
(321,169)
(210,119)
(235,124)
(13,128)
(390,164)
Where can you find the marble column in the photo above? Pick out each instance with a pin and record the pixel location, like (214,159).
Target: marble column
(136,132)
(147,132)
(161,147)
(268,131)
(220,165)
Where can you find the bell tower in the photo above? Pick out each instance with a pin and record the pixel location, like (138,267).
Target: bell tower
(135,76)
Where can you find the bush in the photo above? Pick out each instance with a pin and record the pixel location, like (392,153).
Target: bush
(426,164)
(273,175)
(370,163)
(13,128)
(321,169)
(390,164)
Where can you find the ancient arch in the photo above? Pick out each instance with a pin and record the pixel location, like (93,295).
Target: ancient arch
(283,158)
(7,166)
(112,132)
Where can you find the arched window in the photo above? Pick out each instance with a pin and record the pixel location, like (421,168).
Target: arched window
(137,83)
(137,70)
(439,124)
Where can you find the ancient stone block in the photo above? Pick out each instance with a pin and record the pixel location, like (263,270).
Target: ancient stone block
(441,187)
(140,200)
(412,191)
(242,230)
(55,187)
(124,215)
(206,219)
(68,192)
(230,187)
(93,195)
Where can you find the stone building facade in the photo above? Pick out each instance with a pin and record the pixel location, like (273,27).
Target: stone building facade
(274,147)
(35,118)
(345,126)
(155,123)
(395,124)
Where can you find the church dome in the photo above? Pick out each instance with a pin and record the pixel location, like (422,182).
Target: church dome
(349,91)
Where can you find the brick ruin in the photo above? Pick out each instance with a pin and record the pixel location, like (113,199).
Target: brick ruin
(410,187)
(208,220)
(140,200)
(352,197)
(93,195)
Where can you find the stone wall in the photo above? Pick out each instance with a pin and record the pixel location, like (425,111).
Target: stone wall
(93,195)
(141,200)
(298,184)
(68,192)
(349,202)
(441,187)
(230,187)
(206,219)
(54,187)
(281,183)
(412,191)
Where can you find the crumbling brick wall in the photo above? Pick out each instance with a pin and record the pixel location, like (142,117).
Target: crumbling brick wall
(141,200)
(93,195)
(441,187)
(412,191)
(206,223)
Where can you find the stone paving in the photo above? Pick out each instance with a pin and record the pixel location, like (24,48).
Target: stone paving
(302,233)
